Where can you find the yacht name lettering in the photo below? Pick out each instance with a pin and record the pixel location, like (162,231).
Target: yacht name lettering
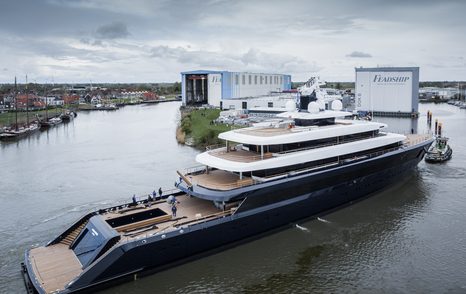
(382,79)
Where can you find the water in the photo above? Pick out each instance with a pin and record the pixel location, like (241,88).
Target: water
(408,238)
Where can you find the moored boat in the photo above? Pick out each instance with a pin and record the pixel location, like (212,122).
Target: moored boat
(14,134)
(299,165)
(51,122)
(67,116)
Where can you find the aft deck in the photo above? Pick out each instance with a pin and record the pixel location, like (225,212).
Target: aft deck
(220,180)
(56,265)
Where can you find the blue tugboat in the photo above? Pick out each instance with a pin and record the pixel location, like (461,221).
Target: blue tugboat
(294,167)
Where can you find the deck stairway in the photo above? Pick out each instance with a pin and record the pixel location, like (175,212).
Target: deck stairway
(69,239)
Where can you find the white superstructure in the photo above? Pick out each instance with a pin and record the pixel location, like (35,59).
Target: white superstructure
(293,142)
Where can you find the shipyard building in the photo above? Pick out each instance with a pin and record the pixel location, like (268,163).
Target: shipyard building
(217,87)
(387,91)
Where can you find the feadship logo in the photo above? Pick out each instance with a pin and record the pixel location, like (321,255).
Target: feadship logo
(382,79)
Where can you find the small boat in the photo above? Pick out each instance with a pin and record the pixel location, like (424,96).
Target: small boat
(67,116)
(50,123)
(439,151)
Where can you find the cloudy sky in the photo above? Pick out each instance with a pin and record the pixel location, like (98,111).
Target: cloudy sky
(153,41)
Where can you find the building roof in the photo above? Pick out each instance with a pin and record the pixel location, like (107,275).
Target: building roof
(205,72)
(361,69)
(202,72)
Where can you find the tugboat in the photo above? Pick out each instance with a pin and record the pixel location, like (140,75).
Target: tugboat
(440,151)
(300,165)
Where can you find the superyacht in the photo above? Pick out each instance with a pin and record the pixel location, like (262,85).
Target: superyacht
(301,164)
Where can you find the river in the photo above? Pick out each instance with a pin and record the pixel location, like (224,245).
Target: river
(408,238)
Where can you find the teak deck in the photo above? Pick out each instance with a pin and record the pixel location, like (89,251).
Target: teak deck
(56,265)
(220,180)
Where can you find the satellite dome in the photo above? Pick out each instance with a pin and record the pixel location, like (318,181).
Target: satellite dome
(313,107)
(171,199)
(337,105)
(290,106)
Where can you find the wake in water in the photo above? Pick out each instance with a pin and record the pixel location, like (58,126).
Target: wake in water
(304,229)
(323,220)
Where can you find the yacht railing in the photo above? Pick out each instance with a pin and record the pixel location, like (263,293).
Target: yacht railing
(326,145)
(213,147)
(267,155)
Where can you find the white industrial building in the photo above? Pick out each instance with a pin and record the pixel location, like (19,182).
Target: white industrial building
(436,92)
(217,88)
(387,91)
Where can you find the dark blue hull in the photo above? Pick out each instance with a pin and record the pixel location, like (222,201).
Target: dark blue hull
(288,201)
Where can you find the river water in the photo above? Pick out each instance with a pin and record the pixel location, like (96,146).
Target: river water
(409,238)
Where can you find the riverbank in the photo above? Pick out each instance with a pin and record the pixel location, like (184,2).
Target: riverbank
(197,127)
(8,118)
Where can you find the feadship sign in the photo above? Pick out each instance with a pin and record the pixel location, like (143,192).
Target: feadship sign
(387,91)
(390,79)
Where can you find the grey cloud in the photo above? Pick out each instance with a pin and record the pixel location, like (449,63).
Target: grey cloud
(253,59)
(359,54)
(114,30)
(5,69)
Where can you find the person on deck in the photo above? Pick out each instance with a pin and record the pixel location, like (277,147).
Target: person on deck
(174,209)
(134,200)
(160,192)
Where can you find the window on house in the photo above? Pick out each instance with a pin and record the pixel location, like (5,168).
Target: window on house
(261,79)
(236,80)
(255,80)
(243,77)
(250,79)
(270,104)
(266,77)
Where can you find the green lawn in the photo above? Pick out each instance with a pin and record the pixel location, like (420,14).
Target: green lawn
(197,124)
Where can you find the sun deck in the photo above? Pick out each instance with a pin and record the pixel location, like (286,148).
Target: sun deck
(290,129)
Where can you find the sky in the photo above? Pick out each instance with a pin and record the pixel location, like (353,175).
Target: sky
(85,41)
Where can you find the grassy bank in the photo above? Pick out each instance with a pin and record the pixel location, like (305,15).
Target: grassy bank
(198,125)
(8,118)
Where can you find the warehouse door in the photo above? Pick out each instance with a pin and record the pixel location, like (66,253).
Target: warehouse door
(245,105)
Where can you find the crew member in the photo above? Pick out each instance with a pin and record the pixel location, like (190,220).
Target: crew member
(174,210)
